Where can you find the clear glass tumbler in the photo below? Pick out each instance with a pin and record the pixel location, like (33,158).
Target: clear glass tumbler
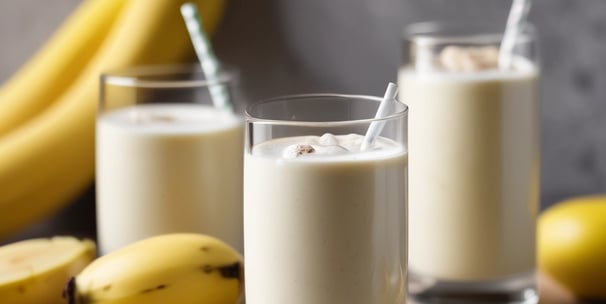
(325,222)
(474,163)
(167,160)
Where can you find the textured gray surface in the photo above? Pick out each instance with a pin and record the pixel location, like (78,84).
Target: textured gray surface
(353,46)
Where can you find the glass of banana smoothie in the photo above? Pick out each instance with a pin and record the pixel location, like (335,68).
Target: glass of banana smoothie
(167,160)
(474,163)
(324,218)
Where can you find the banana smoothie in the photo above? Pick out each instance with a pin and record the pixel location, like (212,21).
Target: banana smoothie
(474,166)
(165,168)
(324,221)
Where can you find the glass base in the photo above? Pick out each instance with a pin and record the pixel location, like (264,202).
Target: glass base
(515,289)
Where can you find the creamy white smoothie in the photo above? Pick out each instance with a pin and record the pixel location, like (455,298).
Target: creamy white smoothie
(324,222)
(474,170)
(168,168)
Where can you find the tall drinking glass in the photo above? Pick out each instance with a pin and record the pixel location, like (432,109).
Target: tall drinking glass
(474,163)
(167,159)
(324,222)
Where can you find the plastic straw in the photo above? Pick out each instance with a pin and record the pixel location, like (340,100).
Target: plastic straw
(208,61)
(385,108)
(516,19)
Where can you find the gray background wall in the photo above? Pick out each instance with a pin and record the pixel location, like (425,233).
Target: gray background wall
(353,46)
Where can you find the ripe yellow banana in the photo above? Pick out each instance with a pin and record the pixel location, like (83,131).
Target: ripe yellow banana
(49,160)
(171,268)
(46,75)
(35,271)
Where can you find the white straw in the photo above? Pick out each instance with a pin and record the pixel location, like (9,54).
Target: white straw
(515,20)
(385,108)
(208,61)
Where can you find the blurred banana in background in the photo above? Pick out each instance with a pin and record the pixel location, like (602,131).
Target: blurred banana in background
(55,66)
(47,143)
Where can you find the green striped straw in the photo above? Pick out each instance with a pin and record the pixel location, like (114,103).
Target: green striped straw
(208,61)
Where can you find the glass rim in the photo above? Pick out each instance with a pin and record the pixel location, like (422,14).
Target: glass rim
(432,32)
(331,123)
(134,76)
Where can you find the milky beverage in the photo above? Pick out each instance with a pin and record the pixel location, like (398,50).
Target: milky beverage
(168,168)
(474,167)
(324,221)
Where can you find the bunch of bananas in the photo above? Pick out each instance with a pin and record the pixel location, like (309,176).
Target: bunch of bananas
(47,109)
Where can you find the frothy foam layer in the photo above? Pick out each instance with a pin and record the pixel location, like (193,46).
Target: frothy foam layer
(470,59)
(170,118)
(327,146)
(523,69)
